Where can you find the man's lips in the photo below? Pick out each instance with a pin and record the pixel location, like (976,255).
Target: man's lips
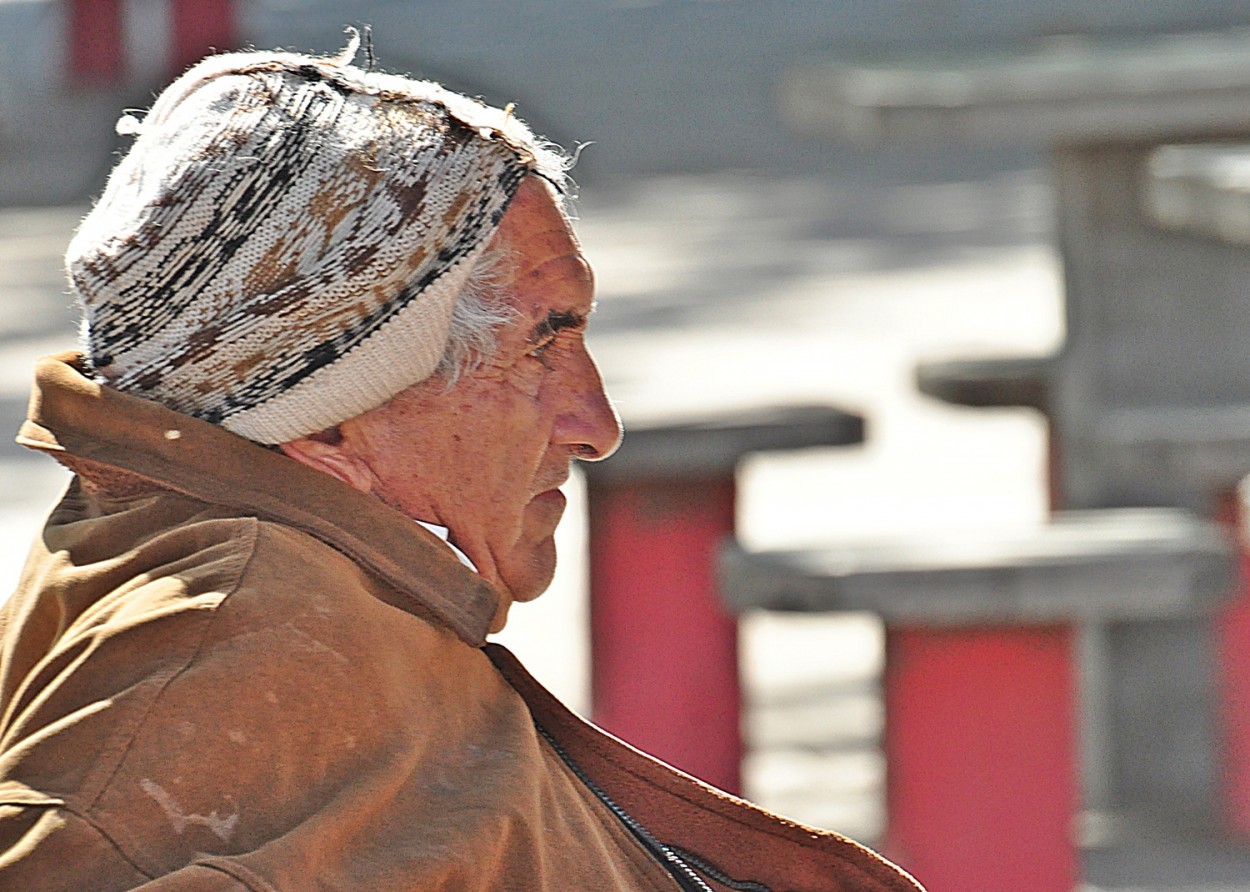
(550,497)
(552,483)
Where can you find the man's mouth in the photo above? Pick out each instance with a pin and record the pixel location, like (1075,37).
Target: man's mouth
(552,484)
(550,496)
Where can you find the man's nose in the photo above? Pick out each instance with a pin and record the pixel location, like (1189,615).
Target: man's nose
(588,423)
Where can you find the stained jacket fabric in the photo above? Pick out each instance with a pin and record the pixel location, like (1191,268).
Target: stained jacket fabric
(224,671)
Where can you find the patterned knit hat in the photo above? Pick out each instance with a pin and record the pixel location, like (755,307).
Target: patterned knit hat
(282,246)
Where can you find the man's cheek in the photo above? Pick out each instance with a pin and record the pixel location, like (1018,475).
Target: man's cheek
(527,376)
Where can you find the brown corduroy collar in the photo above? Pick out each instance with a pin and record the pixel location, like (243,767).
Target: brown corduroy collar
(87,425)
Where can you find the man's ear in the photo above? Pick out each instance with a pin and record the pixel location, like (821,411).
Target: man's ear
(336,459)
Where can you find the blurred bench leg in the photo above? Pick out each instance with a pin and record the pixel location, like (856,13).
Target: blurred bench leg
(1233,667)
(980,748)
(664,648)
(665,652)
(95,33)
(201,27)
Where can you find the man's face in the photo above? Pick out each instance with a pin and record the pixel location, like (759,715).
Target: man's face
(486,458)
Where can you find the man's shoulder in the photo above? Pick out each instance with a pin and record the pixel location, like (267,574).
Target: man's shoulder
(164,596)
(204,644)
(172,554)
(297,588)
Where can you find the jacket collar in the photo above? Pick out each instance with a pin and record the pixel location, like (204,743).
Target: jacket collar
(79,420)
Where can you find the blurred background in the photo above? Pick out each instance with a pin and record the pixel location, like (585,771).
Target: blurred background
(747,254)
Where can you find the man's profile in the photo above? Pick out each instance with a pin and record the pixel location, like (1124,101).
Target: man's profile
(333,376)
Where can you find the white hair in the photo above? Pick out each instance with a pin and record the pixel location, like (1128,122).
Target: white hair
(478,314)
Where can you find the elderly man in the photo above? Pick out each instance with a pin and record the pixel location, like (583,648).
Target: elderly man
(334,376)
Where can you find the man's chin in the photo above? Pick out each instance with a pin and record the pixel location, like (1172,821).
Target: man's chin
(529,568)
(530,572)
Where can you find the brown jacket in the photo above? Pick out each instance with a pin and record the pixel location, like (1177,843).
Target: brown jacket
(224,671)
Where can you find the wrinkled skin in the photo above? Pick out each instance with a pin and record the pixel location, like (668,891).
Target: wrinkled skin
(486,457)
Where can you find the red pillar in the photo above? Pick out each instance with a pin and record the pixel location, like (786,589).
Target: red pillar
(201,27)
(664,675)
(1232,632)
(981,757)
(96,38)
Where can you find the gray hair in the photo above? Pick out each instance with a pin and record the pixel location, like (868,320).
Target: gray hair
(478,314)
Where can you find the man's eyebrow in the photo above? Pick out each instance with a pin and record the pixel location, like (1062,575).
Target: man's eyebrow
(555,321)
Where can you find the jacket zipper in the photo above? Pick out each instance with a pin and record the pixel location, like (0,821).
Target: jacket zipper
(682,872)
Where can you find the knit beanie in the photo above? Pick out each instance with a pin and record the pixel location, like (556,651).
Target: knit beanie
(282,246)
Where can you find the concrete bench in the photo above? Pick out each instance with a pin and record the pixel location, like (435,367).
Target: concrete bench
(1074,90)
(1202,193)
(989,382)
(1154,321)
(980,679)
(1149,398)
(1201,189)
(664,650)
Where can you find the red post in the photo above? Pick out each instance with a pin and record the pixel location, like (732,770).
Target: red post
(201,27)
(1232,631)
(981,757)
(96,38)
(664,674)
